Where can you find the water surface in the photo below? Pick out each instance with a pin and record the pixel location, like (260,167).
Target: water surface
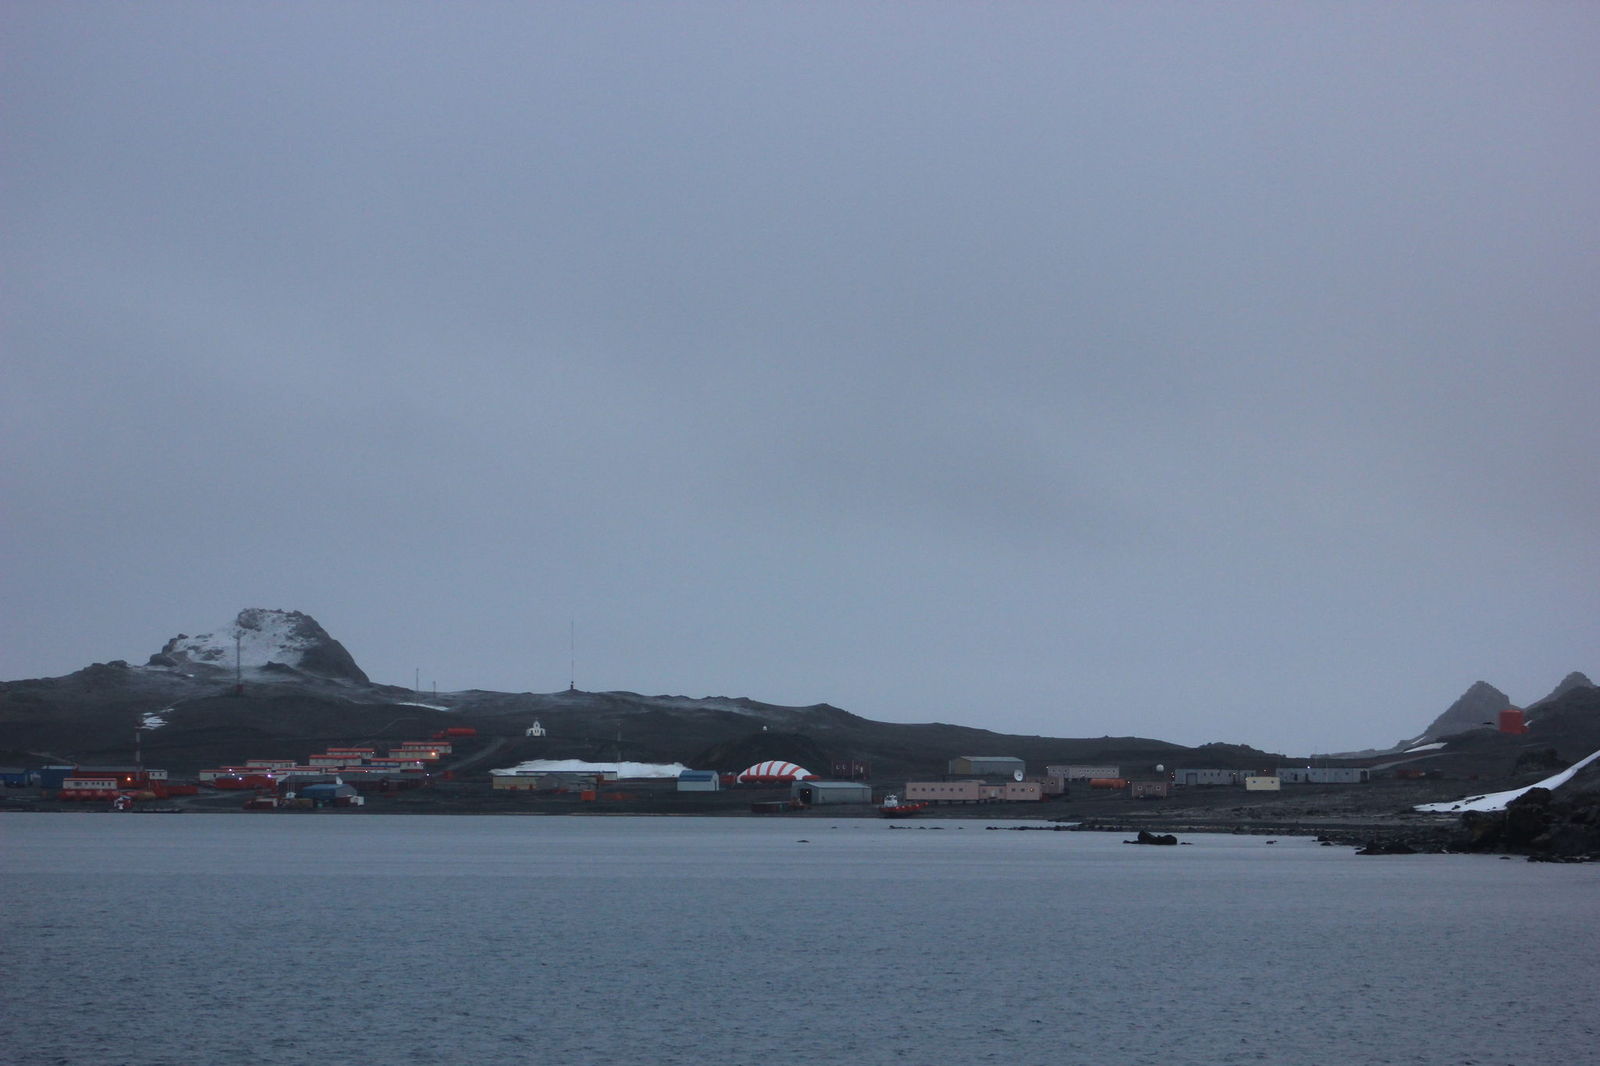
(352,939)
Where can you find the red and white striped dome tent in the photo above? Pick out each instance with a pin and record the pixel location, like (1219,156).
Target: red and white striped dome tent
(775,773)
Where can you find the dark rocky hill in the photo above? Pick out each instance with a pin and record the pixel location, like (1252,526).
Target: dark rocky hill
(1478,705)
(92,716)
(1571,719)
(762,747)
(1572,682)
(302,692)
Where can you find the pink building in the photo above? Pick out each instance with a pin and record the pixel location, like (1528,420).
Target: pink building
(944,792)
(437,747)
(1022,791)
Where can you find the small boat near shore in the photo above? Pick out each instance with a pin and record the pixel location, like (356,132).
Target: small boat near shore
(895,807)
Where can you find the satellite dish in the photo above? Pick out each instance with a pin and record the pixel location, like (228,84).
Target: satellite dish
(1016,775)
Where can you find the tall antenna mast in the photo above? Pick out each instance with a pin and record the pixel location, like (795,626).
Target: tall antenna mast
(572,652)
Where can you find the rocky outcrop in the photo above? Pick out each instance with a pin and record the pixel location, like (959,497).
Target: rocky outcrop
(1538,825)
(260,638)
(1539,760)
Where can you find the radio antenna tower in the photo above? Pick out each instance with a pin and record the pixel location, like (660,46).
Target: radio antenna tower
(572,656)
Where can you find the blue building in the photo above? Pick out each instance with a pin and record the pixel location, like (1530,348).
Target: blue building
(52,776)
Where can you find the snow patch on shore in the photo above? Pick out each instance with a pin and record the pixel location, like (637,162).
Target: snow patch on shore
(1497,801)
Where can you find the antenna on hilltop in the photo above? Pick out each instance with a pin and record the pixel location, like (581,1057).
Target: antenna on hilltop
(572,656)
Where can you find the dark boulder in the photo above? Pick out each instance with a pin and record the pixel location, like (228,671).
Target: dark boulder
(1526,819)
(1572,828)
(1146,837)
(1538,823)
(1387,847)
(1484,829)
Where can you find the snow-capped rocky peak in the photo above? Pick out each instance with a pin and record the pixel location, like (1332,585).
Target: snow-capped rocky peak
(259,637)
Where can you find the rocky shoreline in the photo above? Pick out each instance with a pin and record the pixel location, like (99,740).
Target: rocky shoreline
(1537,826)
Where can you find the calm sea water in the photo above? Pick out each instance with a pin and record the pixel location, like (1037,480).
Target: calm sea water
(148,941)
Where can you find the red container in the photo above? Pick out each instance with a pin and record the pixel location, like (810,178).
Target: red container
(1511,721)
(1108,782)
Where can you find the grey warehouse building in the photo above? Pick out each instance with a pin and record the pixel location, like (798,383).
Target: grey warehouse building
(987,765)
(822,793)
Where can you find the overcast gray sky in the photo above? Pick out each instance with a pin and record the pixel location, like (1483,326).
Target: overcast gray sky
(1195,371)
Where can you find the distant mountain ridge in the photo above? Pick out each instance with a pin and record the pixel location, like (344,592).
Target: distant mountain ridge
(302,688)
(1481,704)
(300,685)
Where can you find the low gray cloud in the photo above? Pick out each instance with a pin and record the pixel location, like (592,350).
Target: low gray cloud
(1206,374)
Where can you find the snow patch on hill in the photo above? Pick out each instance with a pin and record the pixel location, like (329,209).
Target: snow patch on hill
(259,639)
(262,637)
(577,766)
